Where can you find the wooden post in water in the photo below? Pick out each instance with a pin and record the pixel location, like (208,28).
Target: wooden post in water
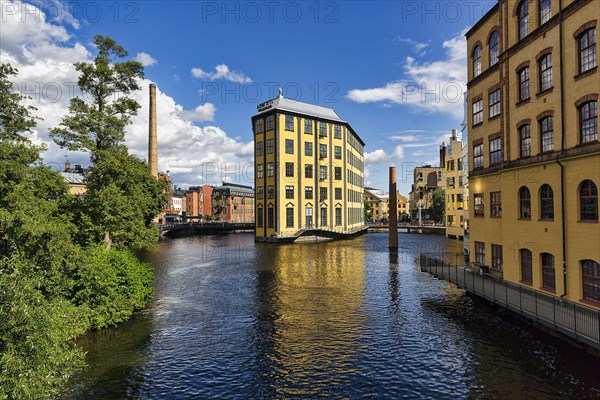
(393,212)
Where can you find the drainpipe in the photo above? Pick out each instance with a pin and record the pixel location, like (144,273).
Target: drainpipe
(562,153)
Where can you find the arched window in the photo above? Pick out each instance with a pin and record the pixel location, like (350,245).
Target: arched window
(588,122)
(476,60)
(548,272)
(524,203)
(526,266)
(493,43)
(523,19)
(591,280)
(588,201)
(545,68)
(524,84)
(547,133)
(587,50)
(546,202)
(545,11)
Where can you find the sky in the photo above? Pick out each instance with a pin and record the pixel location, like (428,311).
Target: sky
(395,70)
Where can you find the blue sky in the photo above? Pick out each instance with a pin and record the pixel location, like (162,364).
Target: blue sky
(394,70)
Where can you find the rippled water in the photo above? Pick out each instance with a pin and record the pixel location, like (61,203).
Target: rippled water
(344,319)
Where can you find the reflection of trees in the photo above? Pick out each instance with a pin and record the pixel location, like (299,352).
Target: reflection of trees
(310,315)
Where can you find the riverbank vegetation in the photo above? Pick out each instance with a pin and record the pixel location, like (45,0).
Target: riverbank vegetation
(66,262)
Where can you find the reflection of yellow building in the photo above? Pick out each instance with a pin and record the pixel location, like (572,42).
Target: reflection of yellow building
(309,171)
(533,146)
(317,316)
(454,188)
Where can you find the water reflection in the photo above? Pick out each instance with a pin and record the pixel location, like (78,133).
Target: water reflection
(313,317)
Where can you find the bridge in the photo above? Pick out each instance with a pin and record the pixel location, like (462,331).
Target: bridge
(185,229)
(410,228)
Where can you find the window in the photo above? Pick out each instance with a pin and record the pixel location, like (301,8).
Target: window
(477,112)
(322,193)
(323,217)
(523,13)
(259,148)
(269,146)
(480,253)
(270,169)
(323,172)
(322,151)
(322,129)
(478,155)
(270,192)
(493,48)
(524,203)
(524,84)
(476,61)
(338,216)
(338,152)
(338,173)
(548,274)
(588,122)
(525,135)
(258,125)
(289,192)
(545,9)
(259,171)
(289,169)
(497,257)
(308,147)
(259,217)
(270,120)
(337,132)
(494,102)
(495,151)
(308,171)
(289,146)
(289,217)
(289,123)
(546,202)
(496,204)
(259,193)
(588,201)
(308,126)
(526,266)
(338,193)
(478,201)
(547,132)
(270,217)
(308,216)
(308,192)
(546,72)
(587,50)
(591,280)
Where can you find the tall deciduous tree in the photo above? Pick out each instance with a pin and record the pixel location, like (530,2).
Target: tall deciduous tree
(437,211)
(15,118)
(99,123)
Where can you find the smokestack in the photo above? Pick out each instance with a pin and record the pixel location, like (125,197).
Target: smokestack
(443,155)
(152,137)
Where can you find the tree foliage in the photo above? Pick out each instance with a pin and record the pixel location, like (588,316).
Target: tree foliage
(15,118)
(437,211)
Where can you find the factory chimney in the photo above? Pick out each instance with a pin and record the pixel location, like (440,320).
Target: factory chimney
(152,137)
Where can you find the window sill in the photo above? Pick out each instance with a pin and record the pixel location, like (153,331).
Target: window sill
(591,142)
(544,92)
(523,102)
(528,283)
(546,220)
(494,117)
(588,221)
(590,302)
(524,219)
(478,216)
(477,125)
(496,217)
(589,72)
(549,290)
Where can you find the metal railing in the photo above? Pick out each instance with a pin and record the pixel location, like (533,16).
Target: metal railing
(572,319)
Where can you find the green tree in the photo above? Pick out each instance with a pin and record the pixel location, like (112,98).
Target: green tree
(437,211)
(99,124)
(368,212)
(15,118)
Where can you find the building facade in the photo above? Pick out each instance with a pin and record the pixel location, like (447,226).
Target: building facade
(378,203)
(426,180)
(233,203)
(455,223)
(309,171)
(533,85)
(199,204)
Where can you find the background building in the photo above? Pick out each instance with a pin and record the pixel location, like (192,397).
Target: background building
(75,177)
(377,201)
(309,171)
(199,203)
(533,142)
(465,175)
(454,188)
(233,203)
(426,180)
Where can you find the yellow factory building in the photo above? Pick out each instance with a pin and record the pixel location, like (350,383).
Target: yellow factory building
(534,155)
(455,204)
(309,172)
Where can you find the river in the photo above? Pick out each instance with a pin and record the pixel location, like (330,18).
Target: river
(232,319)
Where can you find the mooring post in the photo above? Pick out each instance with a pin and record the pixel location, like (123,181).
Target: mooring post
(393,211)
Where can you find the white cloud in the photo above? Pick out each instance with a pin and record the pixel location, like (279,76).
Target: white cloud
(145,58)
(376,157)
(417,47)
(405,138)
(44,54)
(204,112)
(222,71)
(435,86)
